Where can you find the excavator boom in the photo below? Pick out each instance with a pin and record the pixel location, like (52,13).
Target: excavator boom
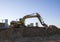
(36,15)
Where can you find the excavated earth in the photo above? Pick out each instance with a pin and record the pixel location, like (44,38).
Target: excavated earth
(30,34)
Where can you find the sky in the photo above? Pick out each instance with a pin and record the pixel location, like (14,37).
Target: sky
(16,9)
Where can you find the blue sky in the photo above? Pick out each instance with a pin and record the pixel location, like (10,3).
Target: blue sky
(15,9)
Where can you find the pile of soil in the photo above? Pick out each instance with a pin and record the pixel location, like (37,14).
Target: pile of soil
(32,34)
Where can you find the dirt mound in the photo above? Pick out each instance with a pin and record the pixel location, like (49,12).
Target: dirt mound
(29,32)
(53,30)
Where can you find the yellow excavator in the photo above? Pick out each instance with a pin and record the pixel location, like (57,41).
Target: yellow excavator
(21,22)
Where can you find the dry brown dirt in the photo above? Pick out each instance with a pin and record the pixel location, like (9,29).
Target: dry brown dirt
(30,35)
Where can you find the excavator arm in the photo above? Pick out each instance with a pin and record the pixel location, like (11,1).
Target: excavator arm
(35,15)
(41,20)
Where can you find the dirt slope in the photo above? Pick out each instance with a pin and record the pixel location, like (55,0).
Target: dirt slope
(30,35)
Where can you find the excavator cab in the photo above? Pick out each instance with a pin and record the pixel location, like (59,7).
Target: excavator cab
(21,22)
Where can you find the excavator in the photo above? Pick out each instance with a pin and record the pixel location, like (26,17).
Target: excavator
(21,22)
